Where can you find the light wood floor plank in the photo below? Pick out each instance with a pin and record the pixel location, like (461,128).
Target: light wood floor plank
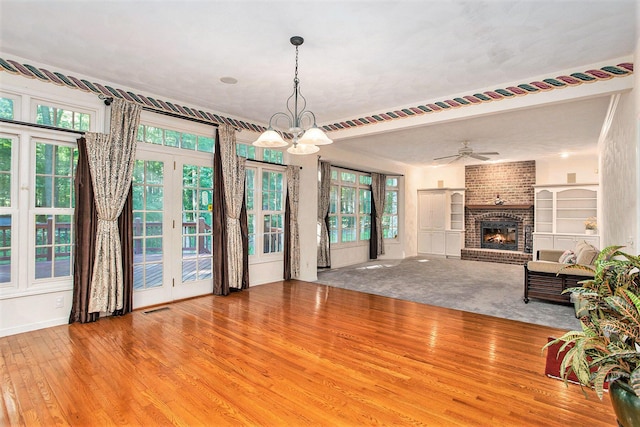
(290,353)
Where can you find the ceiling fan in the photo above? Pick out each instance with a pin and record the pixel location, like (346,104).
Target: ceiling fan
(466,151)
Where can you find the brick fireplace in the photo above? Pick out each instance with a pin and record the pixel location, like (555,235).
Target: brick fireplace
(499,195)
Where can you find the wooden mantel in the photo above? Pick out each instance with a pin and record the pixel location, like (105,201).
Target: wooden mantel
(499,207)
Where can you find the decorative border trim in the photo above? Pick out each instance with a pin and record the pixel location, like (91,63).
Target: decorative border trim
(511,92)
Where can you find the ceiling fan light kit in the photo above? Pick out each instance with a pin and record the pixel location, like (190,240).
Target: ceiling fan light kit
(305,141)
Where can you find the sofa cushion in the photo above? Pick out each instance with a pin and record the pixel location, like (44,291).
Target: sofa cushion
(587,256)
(580,246)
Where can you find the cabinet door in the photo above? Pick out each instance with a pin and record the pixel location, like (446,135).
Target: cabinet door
(438,243)
(541,241)
(453,243)
(424,242)
(438,211)
(564,242)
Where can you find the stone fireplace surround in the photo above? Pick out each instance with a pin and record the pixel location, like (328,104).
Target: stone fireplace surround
(513,182)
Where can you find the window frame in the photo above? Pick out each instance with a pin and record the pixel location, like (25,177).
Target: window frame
(260,256)
(46,282)
(35,101)
(392,189)
(357,186)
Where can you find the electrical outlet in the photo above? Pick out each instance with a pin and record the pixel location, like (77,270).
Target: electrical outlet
(59,302)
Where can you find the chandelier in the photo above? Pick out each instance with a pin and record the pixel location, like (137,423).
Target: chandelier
(305,141)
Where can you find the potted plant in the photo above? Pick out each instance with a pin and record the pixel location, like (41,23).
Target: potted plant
(607,349)
(590,225)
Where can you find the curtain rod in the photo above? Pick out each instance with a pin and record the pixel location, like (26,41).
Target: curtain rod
(79,132)
(270,163)
(108,101)
(40,126)
(361,171)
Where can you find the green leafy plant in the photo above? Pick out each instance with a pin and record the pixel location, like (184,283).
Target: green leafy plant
(608,346)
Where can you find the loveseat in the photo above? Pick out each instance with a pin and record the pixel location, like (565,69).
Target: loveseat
(543,279)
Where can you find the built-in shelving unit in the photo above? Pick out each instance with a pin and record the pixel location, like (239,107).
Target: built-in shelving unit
(560,214)
(441,221)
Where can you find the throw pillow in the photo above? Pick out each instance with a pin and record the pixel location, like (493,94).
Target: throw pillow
(568,257)
(587,256)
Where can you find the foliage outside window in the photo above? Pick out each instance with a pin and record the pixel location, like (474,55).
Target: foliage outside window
(6,211)
(54,204)
(390,216)
(273,156)
(6,108)
(264,198)
(247,151)
(272,211)
(148,205)
(173,138)
(349,207)
(61,118)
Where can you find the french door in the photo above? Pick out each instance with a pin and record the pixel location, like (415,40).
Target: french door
(173,200)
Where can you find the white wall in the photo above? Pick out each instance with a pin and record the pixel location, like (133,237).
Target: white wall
(620,176)
(555,170)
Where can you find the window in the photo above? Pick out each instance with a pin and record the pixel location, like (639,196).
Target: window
(247,151)
(349,207)
(7,208)
(174,138)
(273,156)
(6,108)
(62,118)
(390,216)
(264,197)
(54,204)
(148,206)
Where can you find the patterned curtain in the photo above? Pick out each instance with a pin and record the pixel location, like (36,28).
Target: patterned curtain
(233,172)
(111,160)
(324,192)
(291,235)
(378,194)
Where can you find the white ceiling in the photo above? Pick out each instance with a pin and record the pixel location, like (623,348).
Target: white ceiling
(359,58)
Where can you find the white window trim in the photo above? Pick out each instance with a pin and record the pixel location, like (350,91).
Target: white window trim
(259,257)
(338,182)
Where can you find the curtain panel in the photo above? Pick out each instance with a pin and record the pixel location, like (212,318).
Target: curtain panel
(378,195)
(233,172)
(324,192)
(220,260)
(111,160)
(291,232)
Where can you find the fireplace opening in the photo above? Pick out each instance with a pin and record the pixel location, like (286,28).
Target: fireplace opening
(499,235)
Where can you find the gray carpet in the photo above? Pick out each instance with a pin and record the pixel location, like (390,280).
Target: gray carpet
(474,286)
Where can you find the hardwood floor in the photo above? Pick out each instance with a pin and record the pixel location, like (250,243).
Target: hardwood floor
(290,353)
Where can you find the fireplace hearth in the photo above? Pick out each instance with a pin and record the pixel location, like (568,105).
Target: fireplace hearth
(501,235)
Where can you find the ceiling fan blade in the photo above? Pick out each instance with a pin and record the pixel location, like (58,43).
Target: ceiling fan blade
(446,157)
(489,153)
(476,156)
(454,160)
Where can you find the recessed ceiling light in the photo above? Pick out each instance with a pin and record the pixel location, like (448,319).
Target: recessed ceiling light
(228,80)
(564,155)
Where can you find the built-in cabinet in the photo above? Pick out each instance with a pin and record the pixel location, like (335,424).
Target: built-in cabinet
(560,214)
(441,221)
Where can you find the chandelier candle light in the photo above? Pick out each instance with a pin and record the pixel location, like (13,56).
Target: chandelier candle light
(304,141)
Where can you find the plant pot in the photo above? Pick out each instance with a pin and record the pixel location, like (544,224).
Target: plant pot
(589,231)
(625,404)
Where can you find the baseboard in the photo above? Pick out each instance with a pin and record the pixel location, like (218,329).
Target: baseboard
(33,326)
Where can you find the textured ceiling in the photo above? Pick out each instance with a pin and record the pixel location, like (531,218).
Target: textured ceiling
(359,57)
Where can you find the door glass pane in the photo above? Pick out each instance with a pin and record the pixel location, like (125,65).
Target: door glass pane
(5,172)
(53,246)
(5,249)
(148,231)
(197,205)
